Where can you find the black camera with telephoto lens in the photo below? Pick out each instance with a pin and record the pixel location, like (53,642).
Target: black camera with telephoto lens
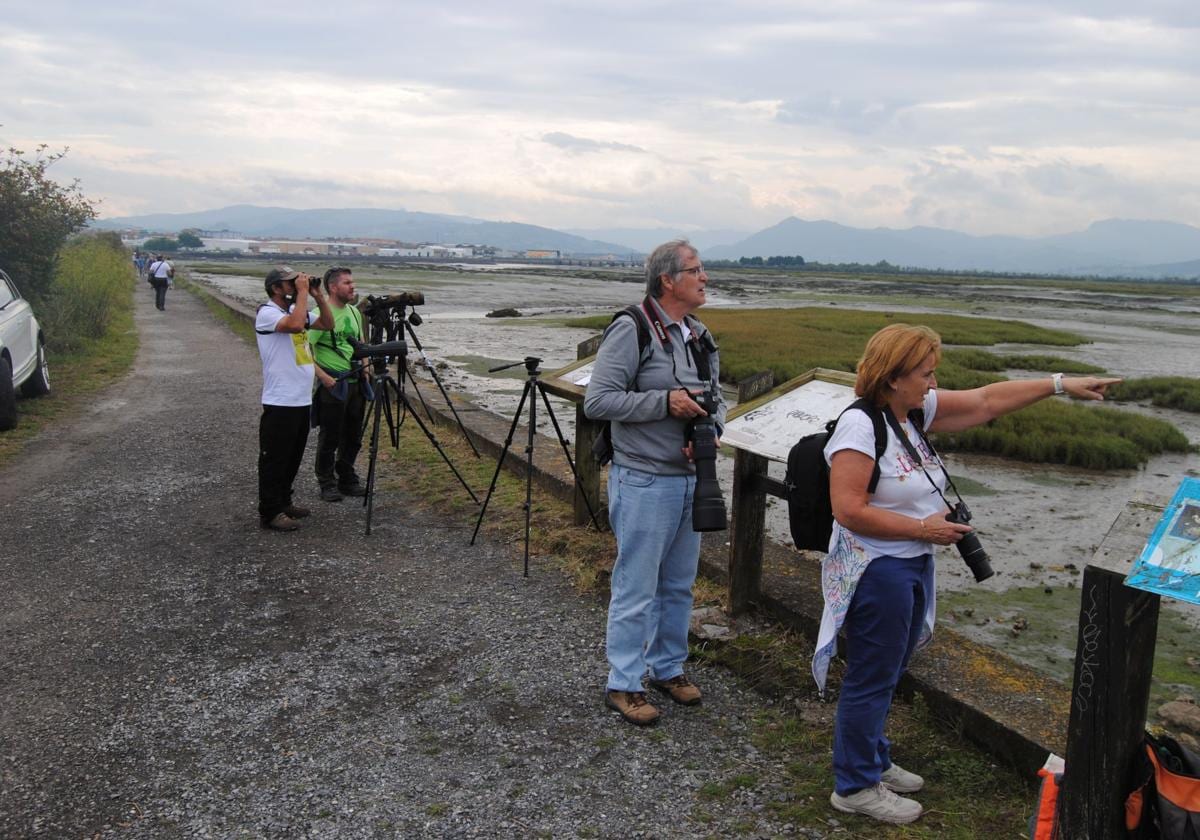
(708,503)
(969,547)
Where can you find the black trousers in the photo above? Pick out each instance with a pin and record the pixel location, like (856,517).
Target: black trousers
(282,435)
(340,438)
(160,293)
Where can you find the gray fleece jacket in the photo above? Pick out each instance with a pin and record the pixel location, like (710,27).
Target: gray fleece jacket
(644,434)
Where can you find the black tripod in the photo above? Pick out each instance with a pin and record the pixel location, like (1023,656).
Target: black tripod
(386,388)
(532,384)
(386,316)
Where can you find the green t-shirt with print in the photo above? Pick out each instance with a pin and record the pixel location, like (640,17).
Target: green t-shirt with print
(331,348)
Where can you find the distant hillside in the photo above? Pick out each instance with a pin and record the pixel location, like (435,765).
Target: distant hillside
(1114,246)
(645,240)
(368,223)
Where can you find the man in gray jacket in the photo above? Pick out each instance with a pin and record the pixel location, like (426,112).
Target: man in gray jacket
(649,395)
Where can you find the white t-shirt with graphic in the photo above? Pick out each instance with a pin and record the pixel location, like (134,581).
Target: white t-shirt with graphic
(287,359)
(902,487)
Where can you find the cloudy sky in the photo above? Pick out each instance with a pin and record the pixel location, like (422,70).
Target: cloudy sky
(987,117)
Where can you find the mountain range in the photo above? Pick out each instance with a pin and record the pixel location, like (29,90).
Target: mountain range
(402,225)
(1137,248)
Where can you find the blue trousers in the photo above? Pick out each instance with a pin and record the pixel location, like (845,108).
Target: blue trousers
(657,555)
(882,627)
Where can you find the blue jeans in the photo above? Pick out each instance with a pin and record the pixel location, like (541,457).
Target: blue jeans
(882,628)
(657,554)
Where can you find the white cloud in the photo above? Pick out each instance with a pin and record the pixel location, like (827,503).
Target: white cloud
(1015,116)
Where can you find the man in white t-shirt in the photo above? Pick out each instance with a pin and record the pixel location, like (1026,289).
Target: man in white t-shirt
(287,359)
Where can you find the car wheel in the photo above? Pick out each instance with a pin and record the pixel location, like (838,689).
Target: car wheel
(38,384)
(8,396)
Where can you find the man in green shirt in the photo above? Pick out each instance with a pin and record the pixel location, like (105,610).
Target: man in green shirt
(339,402)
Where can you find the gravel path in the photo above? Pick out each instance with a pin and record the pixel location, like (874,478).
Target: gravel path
(168,669)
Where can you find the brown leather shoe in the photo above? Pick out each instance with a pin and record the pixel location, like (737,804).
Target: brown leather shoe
(680,689)
(282,522)
(297,512)
(633,706)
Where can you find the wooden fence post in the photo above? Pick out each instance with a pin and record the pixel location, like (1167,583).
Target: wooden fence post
(749,508)
(1114,659)
(585,435)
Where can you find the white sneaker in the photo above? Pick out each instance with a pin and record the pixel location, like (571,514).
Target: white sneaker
(880,803)
(897,779)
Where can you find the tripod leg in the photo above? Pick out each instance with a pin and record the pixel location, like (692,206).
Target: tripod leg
(529,385)
(404,371)
(433,372)
(375,416)
(500,462)
(567,452)
(433,439)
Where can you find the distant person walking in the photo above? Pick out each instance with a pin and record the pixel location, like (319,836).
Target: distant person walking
(160,272)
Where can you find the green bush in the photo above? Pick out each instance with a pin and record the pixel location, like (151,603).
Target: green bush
(92,279)
(37,214)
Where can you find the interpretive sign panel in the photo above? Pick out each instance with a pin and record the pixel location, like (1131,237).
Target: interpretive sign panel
(771,424)
(1170,562)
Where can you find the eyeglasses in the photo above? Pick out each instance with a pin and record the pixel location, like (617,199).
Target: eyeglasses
(694,270)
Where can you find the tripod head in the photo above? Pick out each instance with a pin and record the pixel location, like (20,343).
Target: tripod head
(531,365)
(381,355)
(388,313)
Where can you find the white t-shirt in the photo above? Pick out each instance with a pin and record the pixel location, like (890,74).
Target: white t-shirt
(287,359)
(902,487)
(162,270)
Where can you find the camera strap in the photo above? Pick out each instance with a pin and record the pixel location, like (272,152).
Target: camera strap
(700,346)
(915,418)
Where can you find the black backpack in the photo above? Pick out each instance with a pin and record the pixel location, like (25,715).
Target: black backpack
(810,512)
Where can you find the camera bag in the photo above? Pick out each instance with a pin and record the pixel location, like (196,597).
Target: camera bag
(1166,803)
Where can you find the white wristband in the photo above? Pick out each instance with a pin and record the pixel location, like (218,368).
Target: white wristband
(1057,380)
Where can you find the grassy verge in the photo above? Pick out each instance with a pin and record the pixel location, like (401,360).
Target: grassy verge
(241,327)
(76,375)
(968,795)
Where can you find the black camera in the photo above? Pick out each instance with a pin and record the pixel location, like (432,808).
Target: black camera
(708,504)
(970,549)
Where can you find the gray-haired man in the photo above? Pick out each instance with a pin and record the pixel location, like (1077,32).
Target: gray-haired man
(648,396)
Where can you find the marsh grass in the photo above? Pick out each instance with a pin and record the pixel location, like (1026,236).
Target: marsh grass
(1057,432)
(791,341)
(981,360)
(1178,392)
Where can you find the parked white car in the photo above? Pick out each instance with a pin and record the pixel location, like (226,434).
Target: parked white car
(22,352)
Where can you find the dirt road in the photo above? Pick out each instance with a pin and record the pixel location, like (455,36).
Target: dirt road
(168,669)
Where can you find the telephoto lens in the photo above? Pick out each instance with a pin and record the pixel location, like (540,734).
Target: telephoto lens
(969,546)
(708,503)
